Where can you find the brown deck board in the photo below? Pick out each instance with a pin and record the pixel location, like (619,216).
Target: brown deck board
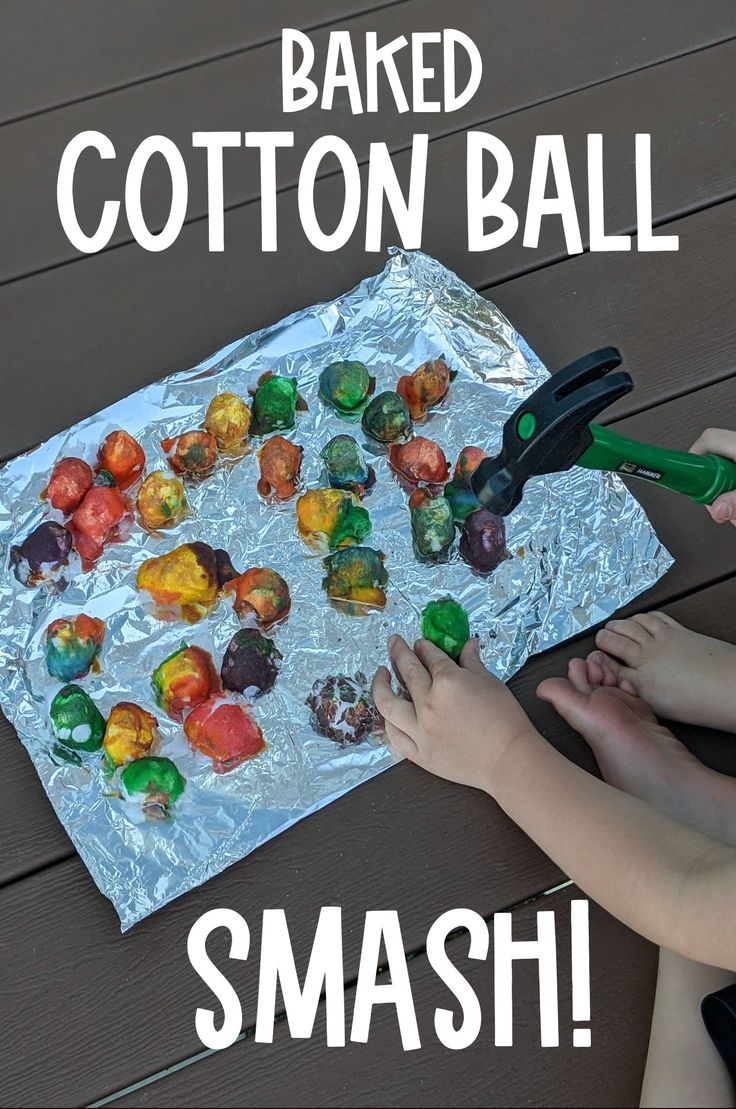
(408,862)
(120,320)
(608,1073)
(692,164)
(51,53)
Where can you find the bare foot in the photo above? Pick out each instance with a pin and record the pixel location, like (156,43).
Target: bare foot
(682,675)
(637,754)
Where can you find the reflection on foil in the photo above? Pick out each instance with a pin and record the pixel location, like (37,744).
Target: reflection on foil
(581,546)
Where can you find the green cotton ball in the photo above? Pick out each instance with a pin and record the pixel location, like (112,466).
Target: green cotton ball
(445,623)
(432,528)
(274,405)
(75,719)
(158,779)
(387,418)
(344,385)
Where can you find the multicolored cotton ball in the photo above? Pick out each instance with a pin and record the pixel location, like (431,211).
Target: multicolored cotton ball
(121,457)
(260,594)
(130,733)
(71,646)
(331,518)
(184,680)
(183,579)
(356,579)
(222,729)
(228,421)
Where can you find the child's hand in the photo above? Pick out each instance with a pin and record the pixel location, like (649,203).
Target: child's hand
(460,721)
(716,440)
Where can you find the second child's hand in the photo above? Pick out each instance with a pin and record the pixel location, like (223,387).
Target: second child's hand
(717,440)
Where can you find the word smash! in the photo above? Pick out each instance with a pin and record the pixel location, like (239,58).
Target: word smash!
(550,192)
(383,978)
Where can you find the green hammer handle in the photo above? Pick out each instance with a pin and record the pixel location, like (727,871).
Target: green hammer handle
(700,477)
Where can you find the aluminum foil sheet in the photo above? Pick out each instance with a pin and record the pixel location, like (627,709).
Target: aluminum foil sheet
(581,545)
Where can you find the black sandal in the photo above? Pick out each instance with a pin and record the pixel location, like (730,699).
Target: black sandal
(719,1016)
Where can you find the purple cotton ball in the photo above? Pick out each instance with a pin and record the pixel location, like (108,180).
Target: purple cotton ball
(483,541)
(42,551)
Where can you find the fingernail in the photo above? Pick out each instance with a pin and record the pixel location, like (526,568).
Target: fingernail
(392,639)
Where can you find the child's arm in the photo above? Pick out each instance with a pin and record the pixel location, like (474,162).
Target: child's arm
(663,879)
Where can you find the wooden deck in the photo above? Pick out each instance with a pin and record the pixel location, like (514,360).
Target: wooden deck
(89,1016)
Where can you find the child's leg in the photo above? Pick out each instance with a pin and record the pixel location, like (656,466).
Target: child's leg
(637,754)
(683,1067)
(682,675)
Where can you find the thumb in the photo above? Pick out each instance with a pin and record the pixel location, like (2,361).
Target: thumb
(470,657)
(565,699)
(723,508)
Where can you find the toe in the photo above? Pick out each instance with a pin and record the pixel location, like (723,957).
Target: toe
(620,646)
(572,705)
(594,669)
(630,629)
(577,673)
(608,666)
(663,619)
(648,621)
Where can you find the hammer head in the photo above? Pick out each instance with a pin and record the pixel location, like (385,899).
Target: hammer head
(549,430)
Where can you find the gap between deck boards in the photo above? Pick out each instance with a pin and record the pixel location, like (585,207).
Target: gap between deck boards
(324,21)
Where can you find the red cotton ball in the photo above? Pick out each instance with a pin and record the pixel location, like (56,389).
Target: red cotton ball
(122,457)
(96,519)
(70,479)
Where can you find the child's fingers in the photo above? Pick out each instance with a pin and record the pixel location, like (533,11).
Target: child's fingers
(723,509)
(433,658)
(401,743)
(716,440)
(470,657)
(409,669)
(619,645)
(394,709)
